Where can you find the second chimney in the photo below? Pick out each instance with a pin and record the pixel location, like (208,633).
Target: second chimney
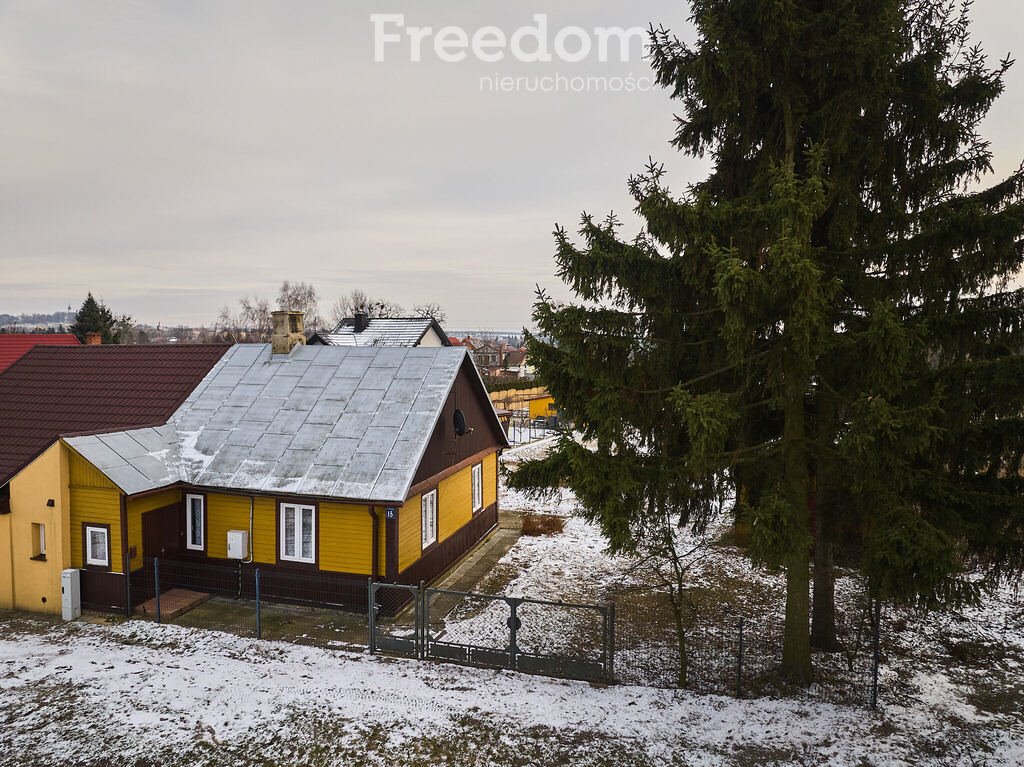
(362,319)
(93,339)
(289,331)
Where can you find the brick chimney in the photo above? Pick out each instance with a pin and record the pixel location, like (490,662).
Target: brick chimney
(289,331)
(93,339)
(362,320)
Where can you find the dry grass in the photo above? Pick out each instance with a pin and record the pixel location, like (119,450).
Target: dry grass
(542,524)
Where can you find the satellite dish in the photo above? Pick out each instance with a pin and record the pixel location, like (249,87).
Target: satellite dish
(459,422)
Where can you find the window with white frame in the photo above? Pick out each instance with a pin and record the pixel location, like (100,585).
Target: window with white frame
(428,518)
(478,487)
(38,540)
(97,546)
(195,522)
(298,533)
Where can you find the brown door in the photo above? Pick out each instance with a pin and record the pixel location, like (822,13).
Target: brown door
(161,532)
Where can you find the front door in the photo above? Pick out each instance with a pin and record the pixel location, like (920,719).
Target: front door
(161,532)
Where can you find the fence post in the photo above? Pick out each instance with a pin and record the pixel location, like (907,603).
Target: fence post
(426,623)
(421,625)
(259,622)
(610,619)
(371,618)
(739,664)
(156,583)
(876,653)
(513,628)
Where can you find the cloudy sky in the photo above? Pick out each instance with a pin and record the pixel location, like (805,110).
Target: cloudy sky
(172,157)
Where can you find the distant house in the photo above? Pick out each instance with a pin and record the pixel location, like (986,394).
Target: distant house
(488,354)
(14,345)
(363,330)
(336,463)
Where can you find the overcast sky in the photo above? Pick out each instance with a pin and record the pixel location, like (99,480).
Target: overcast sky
(172,157)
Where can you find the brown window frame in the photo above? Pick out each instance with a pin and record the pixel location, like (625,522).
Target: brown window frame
(85,548)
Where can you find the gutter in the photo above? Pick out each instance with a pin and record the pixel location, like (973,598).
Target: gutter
(125,562)
(375,542)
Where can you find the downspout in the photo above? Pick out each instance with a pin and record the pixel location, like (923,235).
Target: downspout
(375,554)
(252,505)
(125,562)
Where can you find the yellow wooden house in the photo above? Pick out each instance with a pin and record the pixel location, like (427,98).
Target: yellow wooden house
(324,463)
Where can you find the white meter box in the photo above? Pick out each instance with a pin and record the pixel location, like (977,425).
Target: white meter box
(238,544)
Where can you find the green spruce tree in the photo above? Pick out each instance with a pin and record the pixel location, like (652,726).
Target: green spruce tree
(823,323)
(94,317)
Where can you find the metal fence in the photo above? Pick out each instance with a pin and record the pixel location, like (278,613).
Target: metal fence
(741,657)
(239,598)
(559,639)
(631,641)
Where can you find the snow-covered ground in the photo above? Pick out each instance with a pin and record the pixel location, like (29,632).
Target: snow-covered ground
(140,694)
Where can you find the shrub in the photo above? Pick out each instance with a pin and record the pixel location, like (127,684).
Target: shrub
(542,524)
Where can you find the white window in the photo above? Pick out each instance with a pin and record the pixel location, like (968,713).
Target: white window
(428,518)
(298,533)
(38,541)
(478,487)
(97,549)
(195,511)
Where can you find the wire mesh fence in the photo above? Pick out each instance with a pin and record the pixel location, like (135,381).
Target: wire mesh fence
(306,607)
(737,656)
(636,640)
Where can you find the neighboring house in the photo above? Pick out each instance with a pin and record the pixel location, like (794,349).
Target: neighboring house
(45,494)
(14,345)
(488,354)
(339,463)
(362,330)
(516,364)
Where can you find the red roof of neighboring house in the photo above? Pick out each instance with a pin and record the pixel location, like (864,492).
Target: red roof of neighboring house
(14,345)
(455,341)
(55,391)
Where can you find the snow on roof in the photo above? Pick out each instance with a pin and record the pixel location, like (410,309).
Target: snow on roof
(338,422)
(380,331)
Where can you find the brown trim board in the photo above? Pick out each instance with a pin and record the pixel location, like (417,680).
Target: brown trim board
(435,479)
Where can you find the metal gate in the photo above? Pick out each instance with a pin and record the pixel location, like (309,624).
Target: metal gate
(395,612)
(536,636)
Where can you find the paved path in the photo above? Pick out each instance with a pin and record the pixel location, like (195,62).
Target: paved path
(471,569)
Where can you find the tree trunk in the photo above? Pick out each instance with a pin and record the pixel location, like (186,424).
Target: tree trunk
(823,607)
(823,611)
(796,647)
(677,613)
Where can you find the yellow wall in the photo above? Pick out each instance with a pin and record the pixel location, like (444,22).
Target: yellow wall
(454,509)
(346,538)
(231,512)
(490,479)
(409,538)
(26,582)
(454,503)
(136,508)
(96,506)
(94,499)
(542,406)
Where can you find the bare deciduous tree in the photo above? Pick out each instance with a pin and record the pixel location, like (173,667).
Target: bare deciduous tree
(665,557)
(301,297)
(359,301)
(430,309)
(252,322)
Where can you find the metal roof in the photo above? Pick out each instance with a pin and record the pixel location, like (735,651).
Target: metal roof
(14,345)
(381,331)
(337,422)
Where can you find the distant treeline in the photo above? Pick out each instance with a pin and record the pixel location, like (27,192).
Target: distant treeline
(34,319)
